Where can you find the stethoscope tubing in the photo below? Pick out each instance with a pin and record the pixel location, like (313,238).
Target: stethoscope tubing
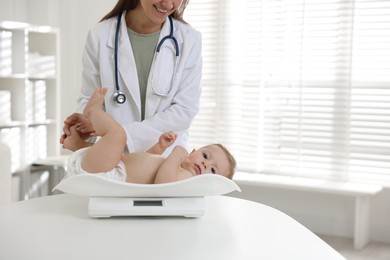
(170,36)
(119,97)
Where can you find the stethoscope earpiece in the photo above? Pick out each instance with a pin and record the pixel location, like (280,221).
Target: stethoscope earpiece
(119,97)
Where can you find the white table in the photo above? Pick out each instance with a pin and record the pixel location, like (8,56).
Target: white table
(58,227)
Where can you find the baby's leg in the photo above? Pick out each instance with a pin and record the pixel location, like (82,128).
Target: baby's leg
(106,153)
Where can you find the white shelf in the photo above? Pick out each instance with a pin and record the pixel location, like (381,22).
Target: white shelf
(13,76)
(29,92)
(12,124)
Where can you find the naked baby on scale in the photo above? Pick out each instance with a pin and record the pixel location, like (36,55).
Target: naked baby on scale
(108,198)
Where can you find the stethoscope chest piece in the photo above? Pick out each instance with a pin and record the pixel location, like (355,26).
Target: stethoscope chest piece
(119,97)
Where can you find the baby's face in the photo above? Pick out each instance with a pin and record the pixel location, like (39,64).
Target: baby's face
(209,159)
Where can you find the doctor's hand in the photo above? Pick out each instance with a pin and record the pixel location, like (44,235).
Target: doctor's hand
(82,125)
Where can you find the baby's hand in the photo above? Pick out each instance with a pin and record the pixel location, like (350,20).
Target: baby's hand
(167,139)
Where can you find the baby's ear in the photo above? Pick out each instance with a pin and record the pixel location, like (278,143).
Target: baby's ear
(193,150)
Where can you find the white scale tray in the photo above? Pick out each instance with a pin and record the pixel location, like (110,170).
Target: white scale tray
(111,198)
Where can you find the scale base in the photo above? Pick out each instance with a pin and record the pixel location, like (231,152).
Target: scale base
(105,207)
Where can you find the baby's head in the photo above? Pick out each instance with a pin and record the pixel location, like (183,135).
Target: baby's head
(230,159)
(213,158)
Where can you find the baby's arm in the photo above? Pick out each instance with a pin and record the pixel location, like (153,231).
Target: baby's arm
(166,140)
(171,169)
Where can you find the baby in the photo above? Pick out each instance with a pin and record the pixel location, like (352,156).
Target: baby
(106,157)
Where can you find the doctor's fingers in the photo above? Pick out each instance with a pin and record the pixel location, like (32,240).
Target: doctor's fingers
(66,129)
(84,127)
(62,138)
(74,118)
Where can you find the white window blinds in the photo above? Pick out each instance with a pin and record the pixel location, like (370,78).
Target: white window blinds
(297,87)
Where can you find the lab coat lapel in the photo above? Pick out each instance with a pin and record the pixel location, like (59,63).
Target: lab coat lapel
(153,100)
(128,77)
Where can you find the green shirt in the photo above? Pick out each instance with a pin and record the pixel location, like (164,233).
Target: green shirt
(144,46)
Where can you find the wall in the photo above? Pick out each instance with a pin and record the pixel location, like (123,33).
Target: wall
(323,213)
(76,17)
(13,10)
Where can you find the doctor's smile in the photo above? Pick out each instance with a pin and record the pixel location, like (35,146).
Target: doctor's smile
(161,10)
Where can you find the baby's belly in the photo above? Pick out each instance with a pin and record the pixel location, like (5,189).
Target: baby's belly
(142,167)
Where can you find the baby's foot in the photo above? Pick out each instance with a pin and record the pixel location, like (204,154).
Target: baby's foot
(96,101)
(73,142)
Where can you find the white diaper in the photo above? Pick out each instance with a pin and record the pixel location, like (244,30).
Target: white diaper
(74,167)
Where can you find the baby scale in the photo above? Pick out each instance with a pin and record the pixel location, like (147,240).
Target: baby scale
(108,198)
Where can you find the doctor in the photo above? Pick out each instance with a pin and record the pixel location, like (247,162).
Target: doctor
(150,60)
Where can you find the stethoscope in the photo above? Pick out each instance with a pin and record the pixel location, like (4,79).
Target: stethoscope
(119,96)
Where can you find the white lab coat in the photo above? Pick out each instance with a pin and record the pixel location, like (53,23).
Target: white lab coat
(175,112)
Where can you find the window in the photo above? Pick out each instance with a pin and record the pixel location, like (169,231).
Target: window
(297,87)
